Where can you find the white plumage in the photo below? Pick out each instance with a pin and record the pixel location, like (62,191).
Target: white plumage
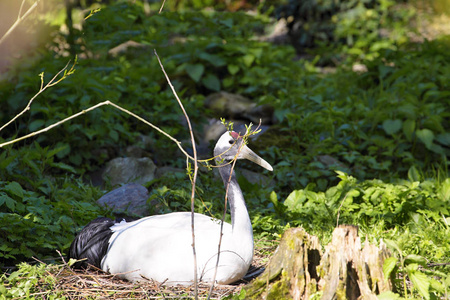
(160,247)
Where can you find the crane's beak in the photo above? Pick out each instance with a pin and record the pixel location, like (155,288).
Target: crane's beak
(247,153)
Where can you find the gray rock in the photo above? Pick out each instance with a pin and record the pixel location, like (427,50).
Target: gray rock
(123,170)
(130,199)
(170,171)
(235,106)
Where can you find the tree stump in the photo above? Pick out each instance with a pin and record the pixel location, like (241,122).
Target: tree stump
(298,269)
(291,273)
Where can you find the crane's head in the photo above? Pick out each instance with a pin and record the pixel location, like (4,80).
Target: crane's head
(231,145)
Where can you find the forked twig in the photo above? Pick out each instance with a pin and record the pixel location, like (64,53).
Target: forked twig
(194,177)
(19,19)
(107,102)
(42,88)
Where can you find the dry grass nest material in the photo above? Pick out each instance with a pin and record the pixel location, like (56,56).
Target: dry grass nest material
(93,283)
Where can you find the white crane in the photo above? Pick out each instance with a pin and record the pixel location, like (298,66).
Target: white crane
(160,247)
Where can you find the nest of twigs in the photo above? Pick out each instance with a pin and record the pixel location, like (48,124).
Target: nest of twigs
(92,283)
(96,284)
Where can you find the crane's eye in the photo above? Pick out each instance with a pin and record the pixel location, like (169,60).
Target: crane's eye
(231,142)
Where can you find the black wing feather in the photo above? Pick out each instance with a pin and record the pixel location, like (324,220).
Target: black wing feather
(92,243)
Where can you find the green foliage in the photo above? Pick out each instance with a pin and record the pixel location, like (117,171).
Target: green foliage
(372,125)
(412,217)
(219,54)
(28,280)
(357,29)
(368,202)
(40,213)
(415,268)
(369,124)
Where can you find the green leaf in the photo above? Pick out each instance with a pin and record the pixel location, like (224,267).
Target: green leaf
(195,71)
(392,126)
(444,191)
(3,290)
(393,245)
(10,203)
(295,200)
(75,159)
(62,148)
(4,162)
(408,129)
(436,285)
(388,296)
(412,258)
(215,60)
(413,174)
(71,262)
(389,266)
(63,166)
(444,138)
(421,282)
(33,126)
(426,136)
(273,197)
(242,294)
(14,188)
(233,69)
(279,207)
(227,22)
(211,82)
(248,59)
(114,135)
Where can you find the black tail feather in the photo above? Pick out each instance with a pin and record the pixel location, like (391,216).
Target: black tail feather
(92,243)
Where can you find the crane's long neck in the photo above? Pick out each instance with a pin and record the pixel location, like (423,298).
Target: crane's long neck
(240,219)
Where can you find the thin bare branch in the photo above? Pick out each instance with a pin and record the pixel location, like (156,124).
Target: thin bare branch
(20,9)
(194,178)
(55,124)
(51,83)
(178,143)
(162,6)
(19,19)
(225,208)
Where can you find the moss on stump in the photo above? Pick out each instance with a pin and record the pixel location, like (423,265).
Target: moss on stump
(288,275)
(298,270)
